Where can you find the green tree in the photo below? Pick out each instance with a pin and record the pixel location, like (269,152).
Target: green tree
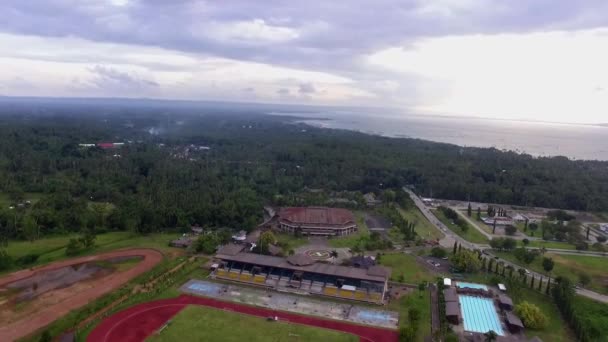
(45,337)
(72,248)
(266,239)
(422,287)
(466,261)
(531,315)
(438,252)
(510,230)
(478,214)
(584,279)
(469,210)
(5,260)
(526,242)
(548,264)
(30,228)
(206,243)
(490,336)
(407,333)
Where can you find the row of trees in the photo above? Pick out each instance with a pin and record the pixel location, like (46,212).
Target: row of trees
(452,215)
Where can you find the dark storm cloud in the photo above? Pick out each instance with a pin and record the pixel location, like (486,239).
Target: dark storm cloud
(327,35)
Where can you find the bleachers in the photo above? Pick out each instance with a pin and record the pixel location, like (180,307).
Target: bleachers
(330,291)
(360,295)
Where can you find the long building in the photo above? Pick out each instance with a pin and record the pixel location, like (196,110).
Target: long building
(301,274)
(321,221)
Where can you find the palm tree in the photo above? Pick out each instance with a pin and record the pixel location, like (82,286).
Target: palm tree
(521,272)
(491,336)
(511,269)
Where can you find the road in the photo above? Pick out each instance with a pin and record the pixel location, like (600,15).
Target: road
(450,237)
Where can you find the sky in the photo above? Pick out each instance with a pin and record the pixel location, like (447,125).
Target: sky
(514,59)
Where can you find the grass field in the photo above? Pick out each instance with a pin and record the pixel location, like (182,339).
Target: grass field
(471,235)
(556,330)
(196,323)
(424,228)
(351,240)
(420,301)
(53,248)
(549,244)
(406,265)
(290,240)
(570,266)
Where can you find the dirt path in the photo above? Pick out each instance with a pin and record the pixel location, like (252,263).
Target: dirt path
(138,322)
(46,316)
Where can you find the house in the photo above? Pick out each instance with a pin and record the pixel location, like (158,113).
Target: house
(370,199)
(361,261)
(240,237)
(196,230)
(513,323)
(182,242)
(504,302)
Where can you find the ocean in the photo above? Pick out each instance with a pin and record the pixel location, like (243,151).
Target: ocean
(575,141)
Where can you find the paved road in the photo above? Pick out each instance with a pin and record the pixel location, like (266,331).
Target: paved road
(450,237)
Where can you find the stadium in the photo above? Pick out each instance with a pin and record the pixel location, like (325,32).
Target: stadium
(302,274)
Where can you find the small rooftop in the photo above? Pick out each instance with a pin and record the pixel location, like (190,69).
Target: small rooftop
(300,260)
(514,320)
(450,295)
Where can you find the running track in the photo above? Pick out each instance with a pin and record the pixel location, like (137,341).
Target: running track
(136,323)
(45,316)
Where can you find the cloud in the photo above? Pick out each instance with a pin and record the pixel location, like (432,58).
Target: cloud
(306,88)
(320,51)
(283,92)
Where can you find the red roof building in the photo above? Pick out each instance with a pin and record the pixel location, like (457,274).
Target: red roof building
(317,221)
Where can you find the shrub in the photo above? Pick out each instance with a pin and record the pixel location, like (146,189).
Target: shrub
(438,252)
(531,315)
(27,259)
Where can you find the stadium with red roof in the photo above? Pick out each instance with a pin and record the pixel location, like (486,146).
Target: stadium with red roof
(317,221)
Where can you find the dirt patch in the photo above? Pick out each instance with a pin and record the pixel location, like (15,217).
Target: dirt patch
(45,281)
(69,285)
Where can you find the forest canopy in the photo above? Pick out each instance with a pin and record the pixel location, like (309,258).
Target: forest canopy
(217,168)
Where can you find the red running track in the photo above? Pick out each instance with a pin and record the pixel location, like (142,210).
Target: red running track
(136,323)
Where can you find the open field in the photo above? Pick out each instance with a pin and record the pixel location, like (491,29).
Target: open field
(556,329)
(471,235)
(417,300)
(570,266)
(351,240)
(34,197)
(406,265)
(291,241)
(197,323)
(62,301)
(423,227)
(141,321)
(548,244)
(53,248)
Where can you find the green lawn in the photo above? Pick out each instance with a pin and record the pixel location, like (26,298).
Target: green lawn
(351,240)
(196,323)
(570,266)
(53,248)
(290,240)
(471,235)
(556,330)
(549,244)
(424,228)
(420,301)
(596,315)
(406,265)
(34,197)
